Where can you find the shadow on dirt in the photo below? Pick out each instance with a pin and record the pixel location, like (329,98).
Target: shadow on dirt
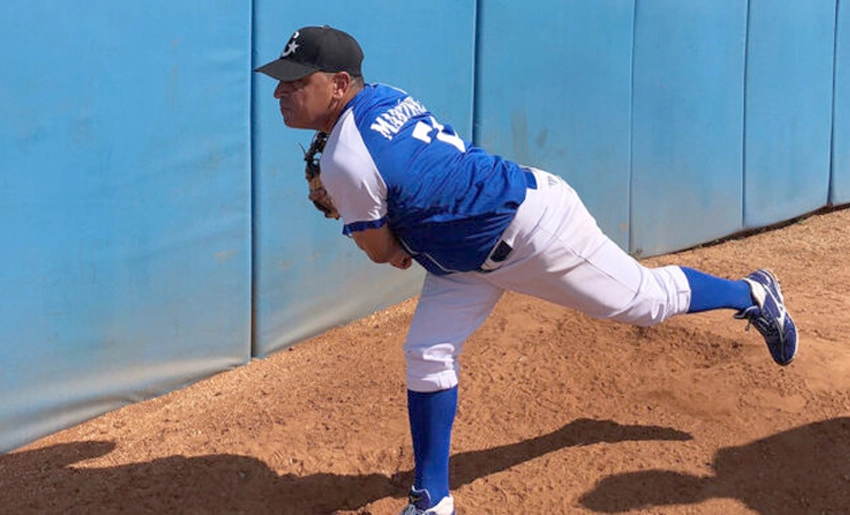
(44,481)
(803,470)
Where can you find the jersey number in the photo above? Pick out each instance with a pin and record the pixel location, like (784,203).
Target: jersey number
(423,131)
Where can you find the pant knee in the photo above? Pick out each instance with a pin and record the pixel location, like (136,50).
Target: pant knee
(432,369)
(664,292)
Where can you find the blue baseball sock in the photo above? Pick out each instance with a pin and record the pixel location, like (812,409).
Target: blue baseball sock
(709,292)
(431,417)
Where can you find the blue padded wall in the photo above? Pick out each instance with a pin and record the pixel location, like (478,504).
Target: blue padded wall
(135,218)
(687,134)
(788,112)
(554,92)
(308,277)
(840,180)
(124,214)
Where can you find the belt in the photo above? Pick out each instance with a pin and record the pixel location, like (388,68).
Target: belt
(501,252)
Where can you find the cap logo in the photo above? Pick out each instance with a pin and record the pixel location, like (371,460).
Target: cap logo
(292,46)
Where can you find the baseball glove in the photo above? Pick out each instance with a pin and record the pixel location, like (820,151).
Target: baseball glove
(318,194)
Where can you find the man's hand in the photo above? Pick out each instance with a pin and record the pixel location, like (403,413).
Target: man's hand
(320,198)
(313,173)
(402,260)
(382,246)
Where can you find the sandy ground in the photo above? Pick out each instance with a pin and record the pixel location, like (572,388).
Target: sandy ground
(558,414)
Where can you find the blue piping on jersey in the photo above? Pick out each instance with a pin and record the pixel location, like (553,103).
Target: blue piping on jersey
(423,255)
(420,256)
(361,226)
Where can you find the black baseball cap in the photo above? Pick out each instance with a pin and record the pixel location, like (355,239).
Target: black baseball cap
(316,49)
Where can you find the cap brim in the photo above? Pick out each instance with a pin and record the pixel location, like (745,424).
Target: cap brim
(286,70)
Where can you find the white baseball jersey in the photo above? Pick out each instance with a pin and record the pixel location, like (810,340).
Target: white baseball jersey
(389,161)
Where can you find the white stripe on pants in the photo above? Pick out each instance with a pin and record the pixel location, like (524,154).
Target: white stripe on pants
(560,255)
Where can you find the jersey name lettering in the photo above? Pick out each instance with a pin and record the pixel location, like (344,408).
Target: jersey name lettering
(388,124)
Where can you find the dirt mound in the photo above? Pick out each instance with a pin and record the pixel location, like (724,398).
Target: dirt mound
(558,414)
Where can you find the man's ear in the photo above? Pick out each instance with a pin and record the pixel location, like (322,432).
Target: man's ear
(341,82)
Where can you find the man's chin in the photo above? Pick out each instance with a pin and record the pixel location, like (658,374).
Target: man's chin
(293,124)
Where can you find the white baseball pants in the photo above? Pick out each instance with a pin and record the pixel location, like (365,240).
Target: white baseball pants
(559,255)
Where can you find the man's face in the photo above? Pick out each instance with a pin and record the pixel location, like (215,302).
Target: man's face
(306,103)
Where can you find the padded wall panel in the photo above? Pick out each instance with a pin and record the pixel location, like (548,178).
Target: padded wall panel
(308,276)
(687,167)
(124,214)
(554,91)
(840,180)
(788,112)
